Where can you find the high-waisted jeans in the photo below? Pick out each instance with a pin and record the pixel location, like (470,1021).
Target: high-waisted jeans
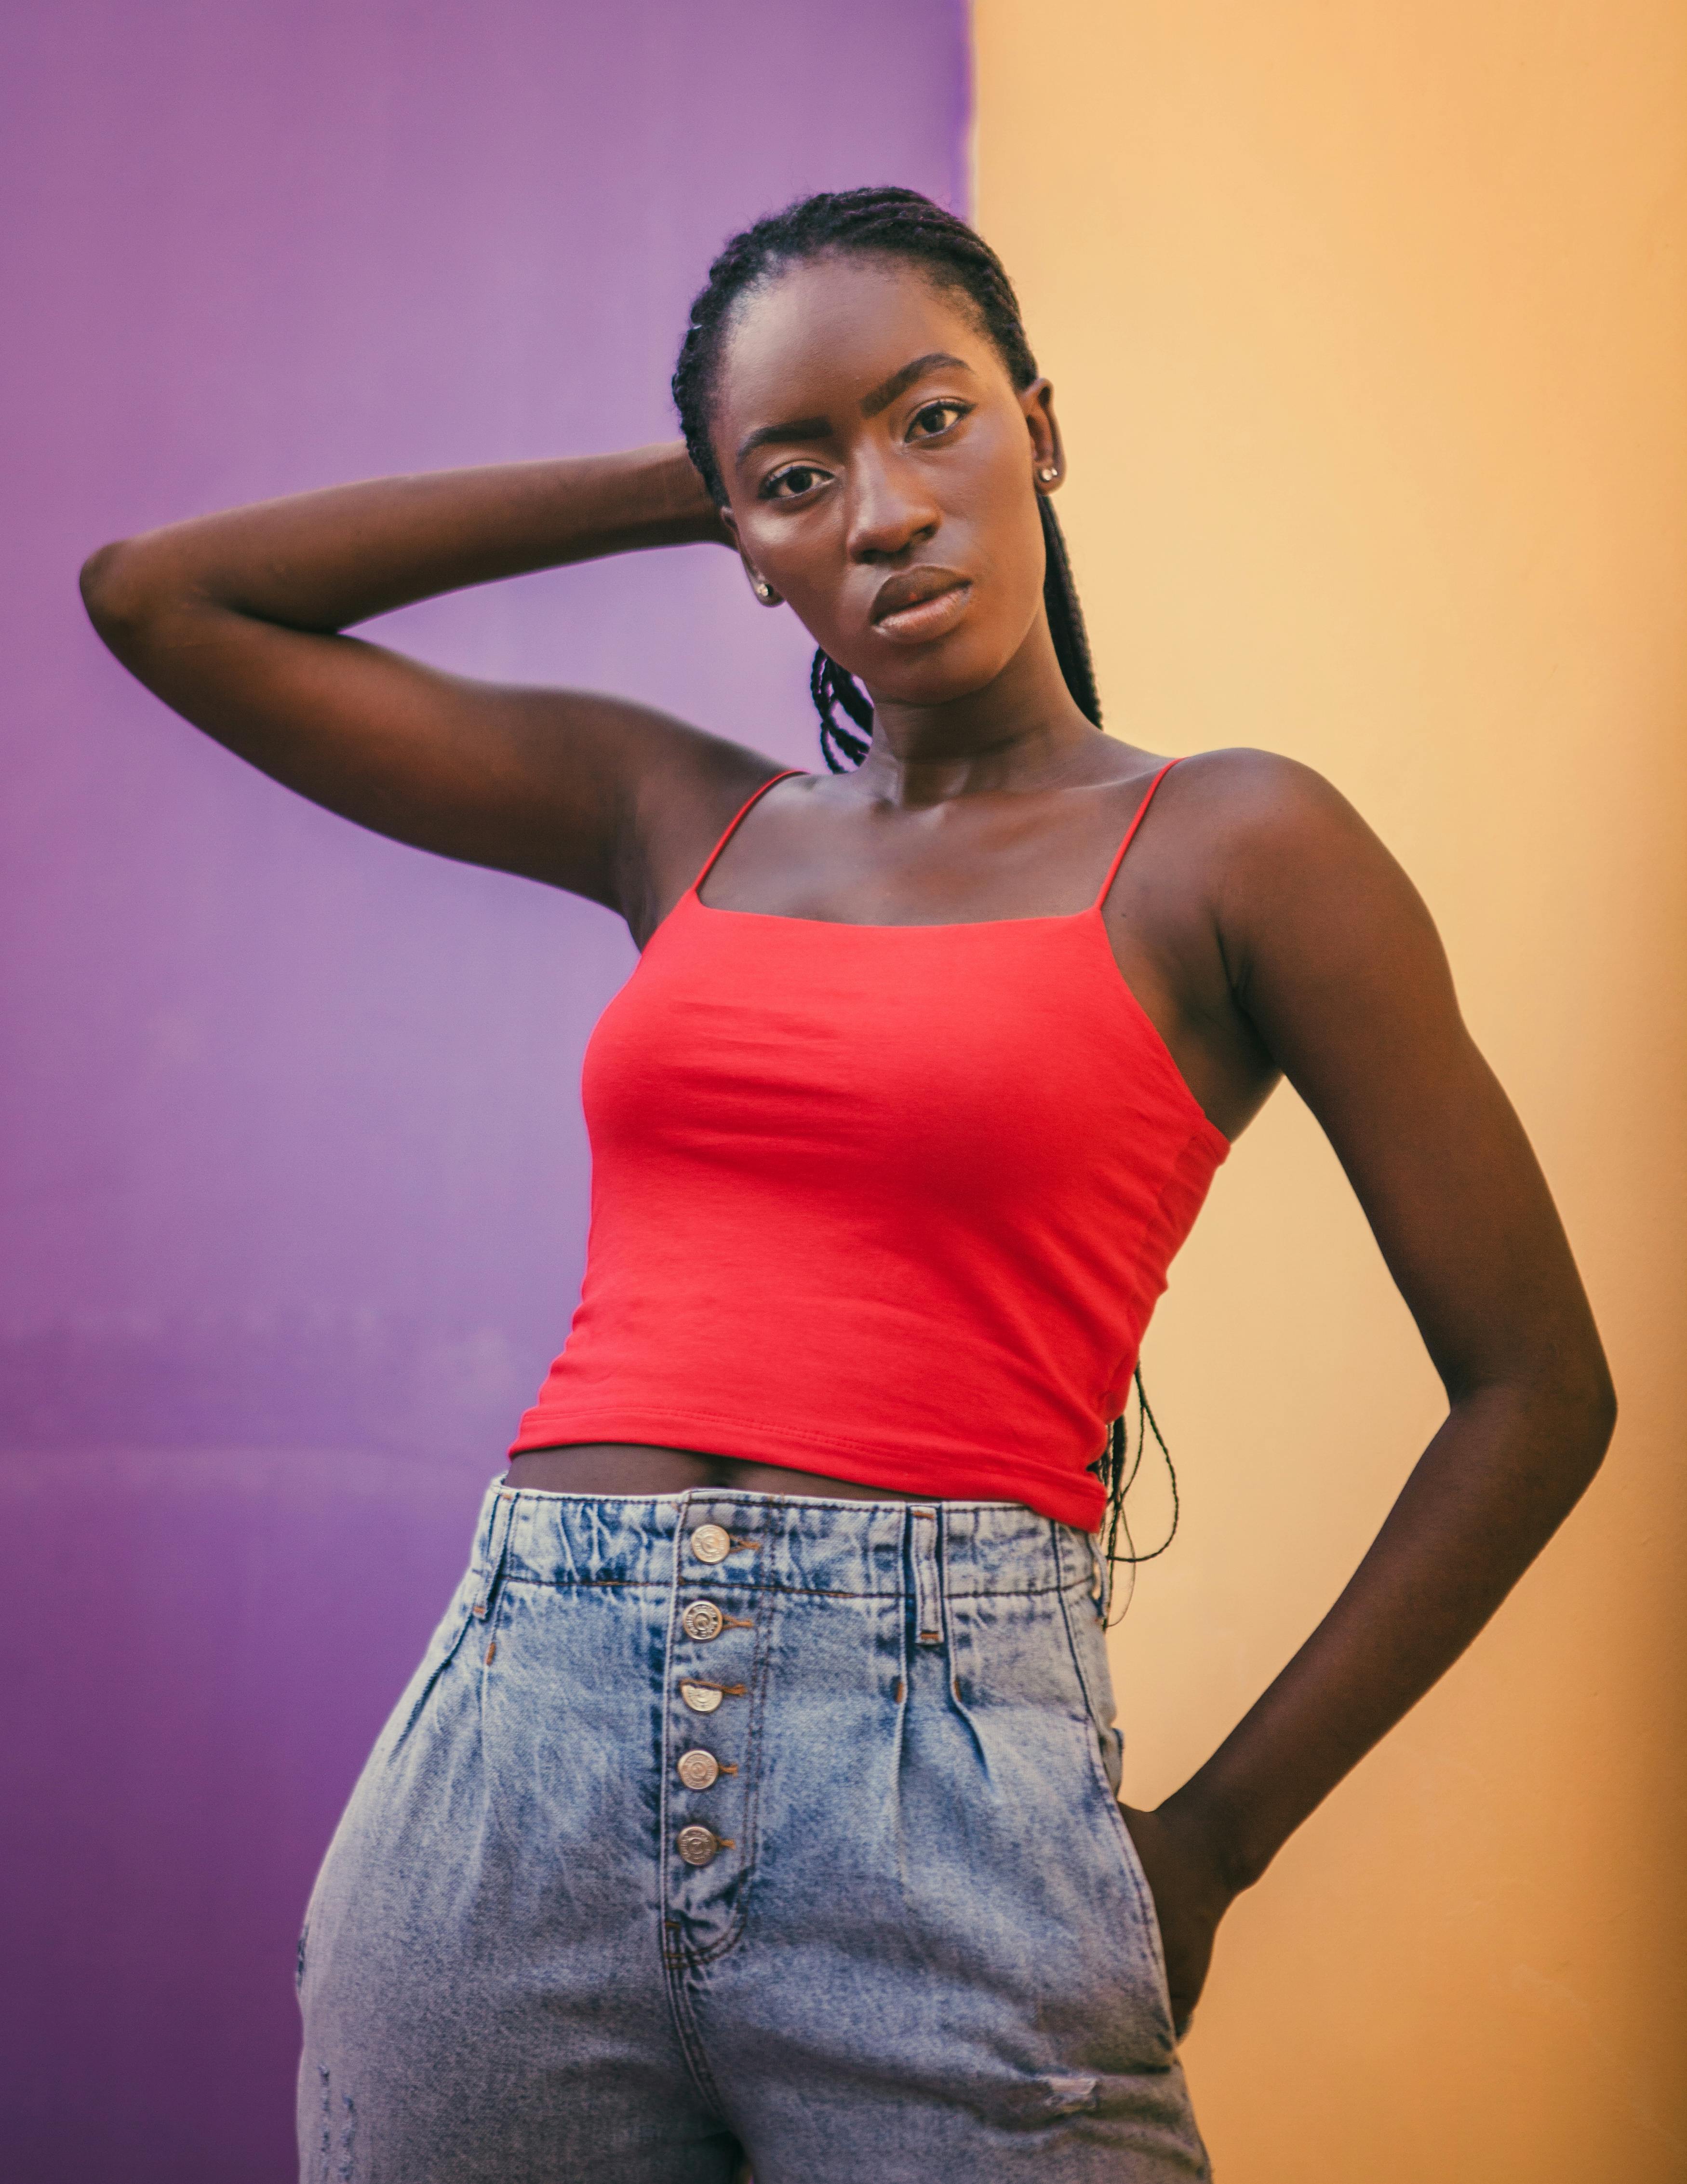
(722,1827)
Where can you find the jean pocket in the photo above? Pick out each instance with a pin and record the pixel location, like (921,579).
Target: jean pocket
(1105,1749)
(1118,1851)
(441,1649)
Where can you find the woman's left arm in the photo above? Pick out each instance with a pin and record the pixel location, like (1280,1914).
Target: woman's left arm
(1333,957)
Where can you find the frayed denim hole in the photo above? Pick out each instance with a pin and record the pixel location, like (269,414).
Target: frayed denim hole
(336,2131)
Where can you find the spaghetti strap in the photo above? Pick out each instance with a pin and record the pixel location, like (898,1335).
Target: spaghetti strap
(1141,814)
(786,774)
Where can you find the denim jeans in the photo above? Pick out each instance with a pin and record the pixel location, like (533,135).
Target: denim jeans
(722,1827)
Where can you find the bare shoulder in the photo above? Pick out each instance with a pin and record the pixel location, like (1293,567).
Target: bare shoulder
(1282,846)
(1259,796)
(1329,948)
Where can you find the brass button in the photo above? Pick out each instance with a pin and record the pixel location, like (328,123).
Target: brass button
(697,1846)
(702,1620)
(702,1698)
(709,1543)
(698,1770)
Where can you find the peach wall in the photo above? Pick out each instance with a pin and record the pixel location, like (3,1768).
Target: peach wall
(1369,327)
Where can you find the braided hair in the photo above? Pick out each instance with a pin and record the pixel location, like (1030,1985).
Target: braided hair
(887,223)
(902,224)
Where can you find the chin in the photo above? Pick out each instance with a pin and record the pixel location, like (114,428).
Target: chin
(954,668)
(940,684)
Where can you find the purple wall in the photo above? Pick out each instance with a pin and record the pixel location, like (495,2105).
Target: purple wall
(293,1170)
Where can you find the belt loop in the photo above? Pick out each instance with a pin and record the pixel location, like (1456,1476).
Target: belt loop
(497,1546)
(922,1547)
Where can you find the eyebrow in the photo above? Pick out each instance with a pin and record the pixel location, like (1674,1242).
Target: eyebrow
(796,428)
(899,382)
(881,397)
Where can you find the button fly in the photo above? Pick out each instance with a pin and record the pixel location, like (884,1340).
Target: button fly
(702,1620)
(697,1846)
(702,1698)
(698,1770)
(709,1543)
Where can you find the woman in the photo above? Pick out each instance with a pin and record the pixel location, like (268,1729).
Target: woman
(756,1798)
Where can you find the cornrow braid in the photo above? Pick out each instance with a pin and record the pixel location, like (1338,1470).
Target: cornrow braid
(902,224)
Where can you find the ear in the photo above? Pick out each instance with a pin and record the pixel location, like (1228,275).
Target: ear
(1048,455)
(765,592)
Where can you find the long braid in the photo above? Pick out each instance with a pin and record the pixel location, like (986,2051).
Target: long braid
(902,224)
(831,686)
(1118,1465)
(1065,617)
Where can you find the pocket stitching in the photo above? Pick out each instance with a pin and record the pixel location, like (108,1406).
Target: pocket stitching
(1124,1844)
(448,1653)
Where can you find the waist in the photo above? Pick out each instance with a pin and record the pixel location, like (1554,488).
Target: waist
(835,1544)
(632,1468)
(915,1441)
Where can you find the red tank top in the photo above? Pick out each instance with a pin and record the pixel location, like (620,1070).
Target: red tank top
(890,1202)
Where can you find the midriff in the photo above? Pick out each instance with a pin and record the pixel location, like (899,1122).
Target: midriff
(626,1468)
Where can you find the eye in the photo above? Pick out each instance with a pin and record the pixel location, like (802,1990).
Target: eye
(937,417)
(794,480)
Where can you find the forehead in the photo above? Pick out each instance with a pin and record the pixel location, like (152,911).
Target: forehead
(832,328)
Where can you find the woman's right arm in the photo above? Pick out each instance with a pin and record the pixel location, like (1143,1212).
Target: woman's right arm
(235,621)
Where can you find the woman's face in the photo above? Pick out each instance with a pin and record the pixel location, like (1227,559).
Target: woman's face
(880,467)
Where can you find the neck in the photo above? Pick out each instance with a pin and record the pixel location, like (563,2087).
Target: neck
(1021,731)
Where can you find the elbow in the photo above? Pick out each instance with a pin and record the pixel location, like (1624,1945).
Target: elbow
(112,593)
(1601,1411)
(1583,1403)
(1559,1408)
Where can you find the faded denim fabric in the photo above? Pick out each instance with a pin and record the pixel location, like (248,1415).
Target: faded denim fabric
(900,1936)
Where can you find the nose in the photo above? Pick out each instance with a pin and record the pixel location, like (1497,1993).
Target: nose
(891,508)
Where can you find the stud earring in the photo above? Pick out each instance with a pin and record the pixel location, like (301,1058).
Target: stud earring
(1049,476)
(764,591)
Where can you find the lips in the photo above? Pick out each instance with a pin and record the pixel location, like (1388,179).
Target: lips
(919,602)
